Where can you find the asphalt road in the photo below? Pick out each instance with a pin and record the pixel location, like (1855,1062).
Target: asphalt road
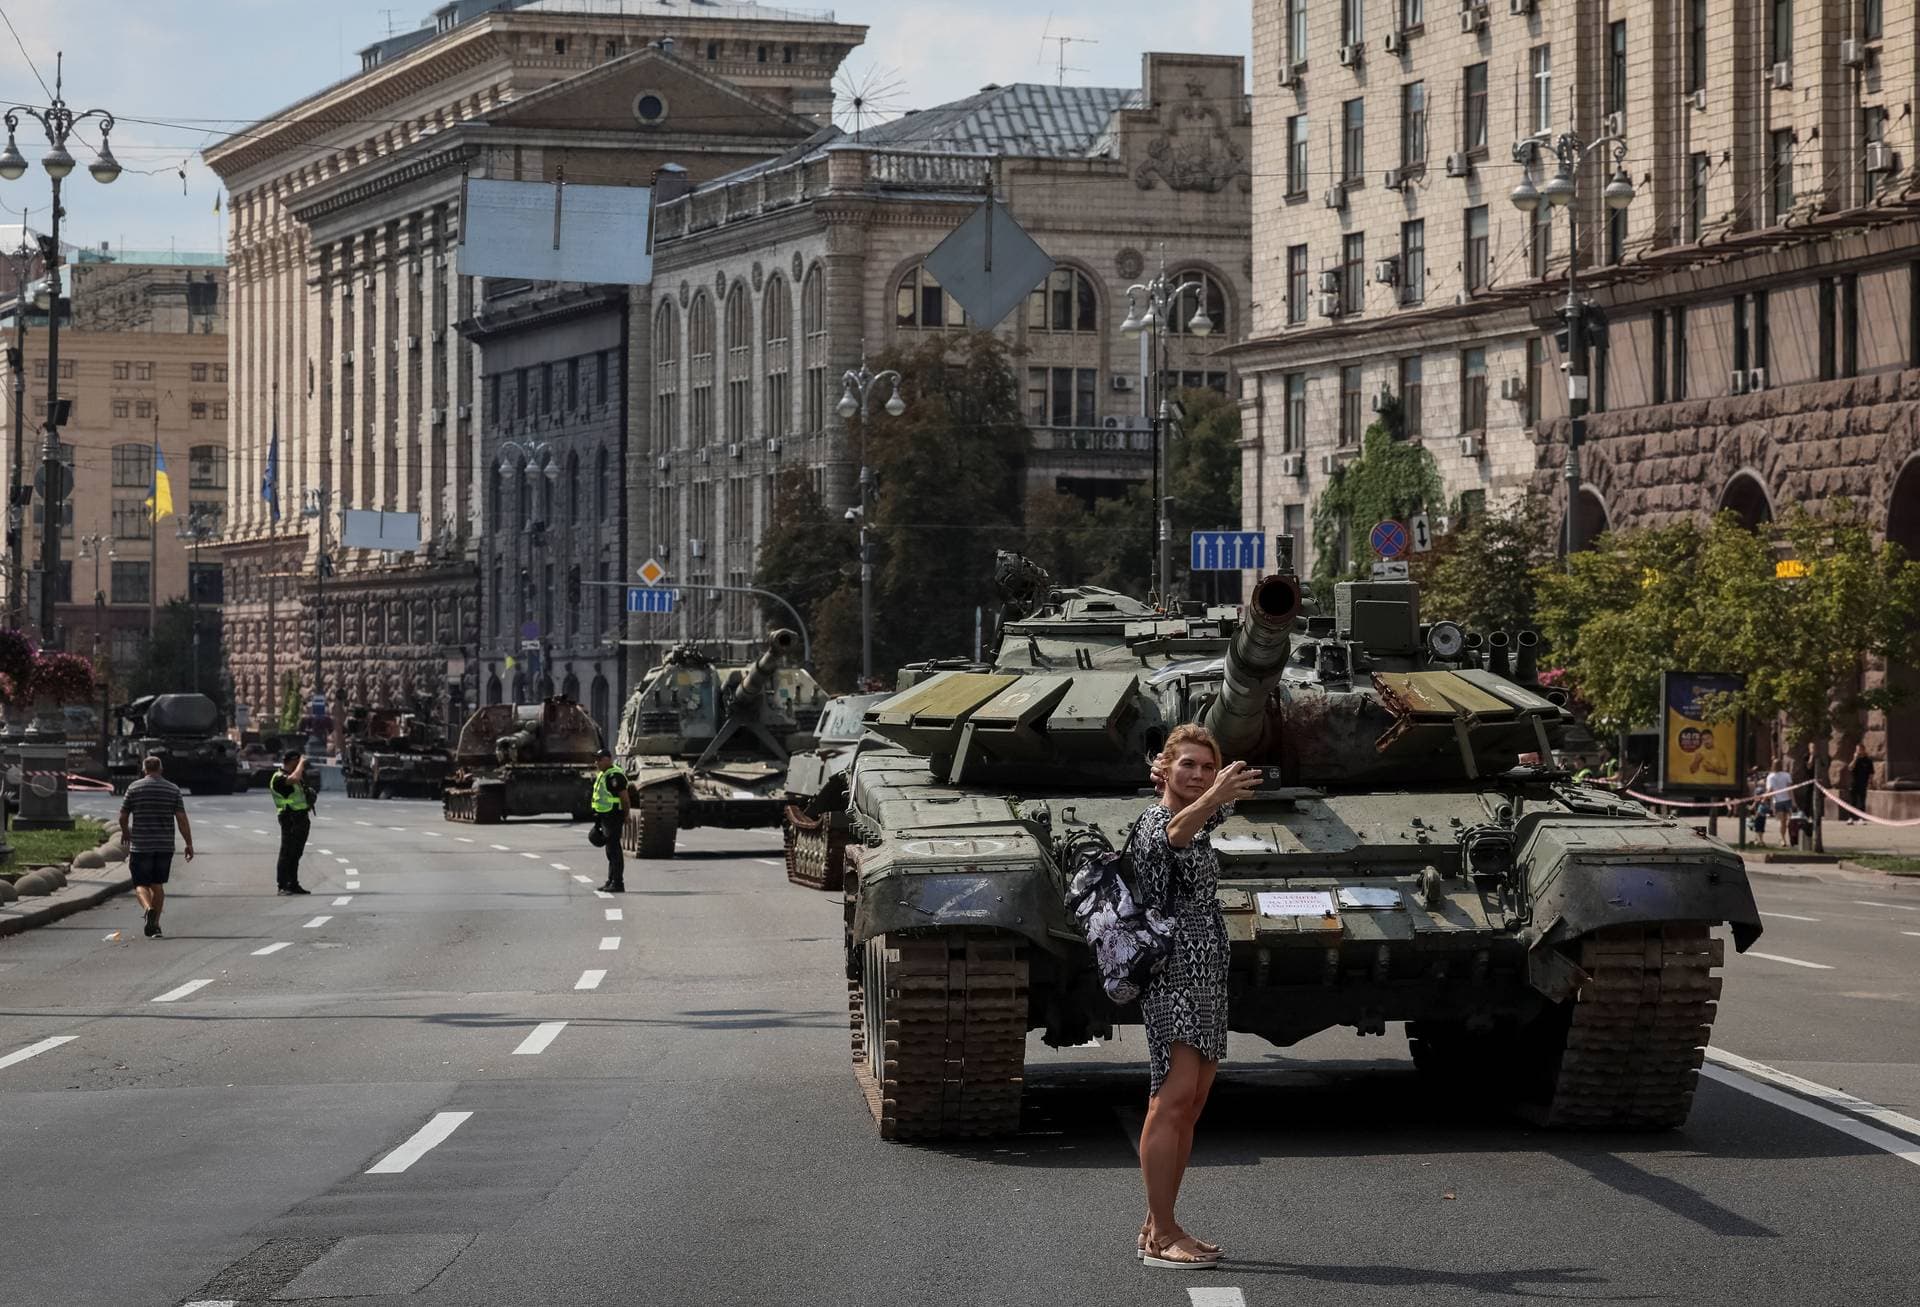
(475,1082)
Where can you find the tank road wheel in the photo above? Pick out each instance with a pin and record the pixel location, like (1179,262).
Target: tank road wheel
(786,840)
(816,851)
(655,822)
(489,803)
(940,1033)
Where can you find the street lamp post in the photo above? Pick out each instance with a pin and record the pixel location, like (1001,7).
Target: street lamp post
(1559,192)
(1151,307)
(94,547)
(58,121)
(195,530)
(22,261)
(856,400)
(318,505)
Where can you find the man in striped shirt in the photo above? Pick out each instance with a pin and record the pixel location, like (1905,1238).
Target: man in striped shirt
(148,814)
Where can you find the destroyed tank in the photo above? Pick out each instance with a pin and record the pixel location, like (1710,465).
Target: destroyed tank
(815,795)
(185,732)
(390,753)
(1409,859)
(704,744)
(523,760)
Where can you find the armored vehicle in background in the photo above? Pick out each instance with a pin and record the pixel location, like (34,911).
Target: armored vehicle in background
(390,753)
(707,745)
(815,792)
(185,731)
(1411,857)
(523,760)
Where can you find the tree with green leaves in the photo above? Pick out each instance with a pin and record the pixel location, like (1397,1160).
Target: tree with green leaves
(1482,572)
(1391,479)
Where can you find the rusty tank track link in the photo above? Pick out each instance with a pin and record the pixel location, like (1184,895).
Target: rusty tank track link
(1638,1032)
(816,851)
(948,1034)
(652,824)
(479,805)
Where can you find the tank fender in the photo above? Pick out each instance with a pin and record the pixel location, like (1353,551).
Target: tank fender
(1024,901)
(1583,874)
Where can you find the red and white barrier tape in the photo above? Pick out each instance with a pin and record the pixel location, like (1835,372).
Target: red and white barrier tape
(1720,805)
(1867,816)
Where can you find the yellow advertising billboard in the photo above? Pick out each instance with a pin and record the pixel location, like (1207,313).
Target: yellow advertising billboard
(1697,753)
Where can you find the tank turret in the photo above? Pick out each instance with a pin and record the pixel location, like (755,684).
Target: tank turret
(1256,660)
(760,674)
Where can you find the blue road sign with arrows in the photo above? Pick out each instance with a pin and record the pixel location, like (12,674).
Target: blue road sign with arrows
(1228,551)
(650,599)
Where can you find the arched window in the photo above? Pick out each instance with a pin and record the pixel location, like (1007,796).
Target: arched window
(1216,301)
(813,332)
(602,483)
(739,363)
(573,488)
(570,688)
(920,302)
(776,312)
(666,377)
(493,688)
(700,369)
(1064,302)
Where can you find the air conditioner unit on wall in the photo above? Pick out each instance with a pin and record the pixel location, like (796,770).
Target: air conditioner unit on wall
(1473,445)
(1329,306)
(1387,271)
(1396,42)
(662,463)
(1853,53)
(1293,465)
(1382,398)
(1394,180)
(1614,123)
(1329,464)
(1122,383)
(1473,18)
(773,445)
(1459,165)
(733,451)
(1289,74)
(1756,379)
(701,454)
(1698,99)
(1329,281)
(1350,56)
(1737,383)
(696,548)
(346,357)
(1880,157)
(1513,388)
(1520,8)
(1782,76)
(1336,197)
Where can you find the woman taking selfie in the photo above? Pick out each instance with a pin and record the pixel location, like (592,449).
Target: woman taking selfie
(1185,1005)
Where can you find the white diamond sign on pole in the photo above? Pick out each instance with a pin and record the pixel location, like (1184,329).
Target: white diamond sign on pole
(989,264)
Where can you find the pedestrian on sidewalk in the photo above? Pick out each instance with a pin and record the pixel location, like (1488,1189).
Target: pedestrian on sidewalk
(609,817)
(1859,776)
(148,814)
(1779,785)
(293,800)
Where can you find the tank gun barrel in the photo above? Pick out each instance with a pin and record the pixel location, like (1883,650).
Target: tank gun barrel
(779,645)
(509,747)
(1255,659)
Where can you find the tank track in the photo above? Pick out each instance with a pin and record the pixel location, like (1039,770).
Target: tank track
(1638,1032)
(359,787)
(940,1051)
(652,824)
(816,851)
(479,805)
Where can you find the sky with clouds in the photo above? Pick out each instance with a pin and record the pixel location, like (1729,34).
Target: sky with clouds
(198,68)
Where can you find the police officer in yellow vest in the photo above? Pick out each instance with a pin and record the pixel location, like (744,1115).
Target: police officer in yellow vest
(293,800)
(609,814)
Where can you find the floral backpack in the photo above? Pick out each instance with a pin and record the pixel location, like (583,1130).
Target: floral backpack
(1131,941)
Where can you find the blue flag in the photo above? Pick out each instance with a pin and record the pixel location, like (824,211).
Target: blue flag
(270,481)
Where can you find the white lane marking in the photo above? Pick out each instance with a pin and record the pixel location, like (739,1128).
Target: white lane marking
(608,943)
(343,900)
(1897,907)
(1216,1298)
(343,861)
(431,834)
(364,823)
(559,866)
(174,995)
(463,839)
(1788,916)
(534,856)
(1915,933)
(328,852)
(214,1302)
(425,1139)
(271,948)
(770,862)
(590,980)
(584,880)
(316,923)
(1792,962)
(1903,1149)
(616,914)
(259,832)
(1838,1098)
(600,893)
(500,848)
(353,884)
(543,1034)
(233,828)
(35,1050)
(401,829)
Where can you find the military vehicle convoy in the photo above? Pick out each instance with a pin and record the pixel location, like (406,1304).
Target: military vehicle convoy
(815,792)
(183,729)
(707,745)
(1406,859)
(390,753)
(523,760)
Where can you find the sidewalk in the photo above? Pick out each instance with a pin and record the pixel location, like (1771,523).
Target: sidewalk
(82,890)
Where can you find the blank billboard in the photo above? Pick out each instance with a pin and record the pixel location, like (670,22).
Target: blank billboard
(543,232)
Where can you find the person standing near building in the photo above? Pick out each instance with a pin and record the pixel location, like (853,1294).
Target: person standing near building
(609,815)
(1859,776)
(293,801)
(148,814)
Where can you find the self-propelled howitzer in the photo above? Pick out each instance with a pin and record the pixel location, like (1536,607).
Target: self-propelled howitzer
(1409,858)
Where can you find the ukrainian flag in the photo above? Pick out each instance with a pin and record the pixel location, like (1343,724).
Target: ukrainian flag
(160,501)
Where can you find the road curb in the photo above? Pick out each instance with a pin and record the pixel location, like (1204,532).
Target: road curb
(1840,873)
(83,890)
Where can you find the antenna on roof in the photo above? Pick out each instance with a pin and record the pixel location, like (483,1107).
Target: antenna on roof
(1060,44)
(391,29)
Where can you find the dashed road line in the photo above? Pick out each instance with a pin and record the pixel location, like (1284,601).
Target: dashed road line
(543,1034)
(1897,907)
(1216,1298)
(463,839)
(1792,962)
(1788,916)
(398,829)
(353,884)
(600,893)
(175,995)
(584,880)
(328,852)
(316,923)
(500,848)
(561,866)
(258,831)
(608,943)
(1904,1149)
(425,1140)
(534,856)
(1915,933)
(616,914)
(1838,1098)
(590,979)
(343,861)
(272,948)
(233,828)
(343,900)
(367,824)
(35,1050)
(432,834)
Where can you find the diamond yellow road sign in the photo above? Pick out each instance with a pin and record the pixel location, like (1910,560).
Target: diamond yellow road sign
(651,572)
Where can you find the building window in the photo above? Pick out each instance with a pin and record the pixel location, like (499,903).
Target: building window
(700,364)
(219,410)
(1850,325)
(1413,261)
(1540,240)
(1413,13)
(1873,131)
(1065,302)
(132,582)
(1473,118)
(1353,141)
(739,328)
(666,378)
(1297,155)
(813,330)
(777,321)
(1659,360)
(1535,379)
(1678,371)
(573,488)
(1696,45)
(920,302)
(66,513)
(1212,294)
(1473,390)
(207,467)
(1616,235)
(1294,435)
(121,369)
(131,518)
(1413,126)
(143,408)
(1296,284)
(1540,63)
(1353,22)
(133,466)
(1698,170)
(197,410)
(1351,426)
(1475,262)
(143,372)
(1353,273)
(602,484)
(1063,397)
(1780,33)
(197,372)
(1872,25)
(1296,53)
(121,408)
(1617,67)
(1760,340)
(1410,424)
(1780,181)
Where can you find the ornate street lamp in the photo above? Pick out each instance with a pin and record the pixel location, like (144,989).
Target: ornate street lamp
(856,400)
(1151,306)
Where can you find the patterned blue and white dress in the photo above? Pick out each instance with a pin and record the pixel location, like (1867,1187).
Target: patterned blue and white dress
(1186,1003)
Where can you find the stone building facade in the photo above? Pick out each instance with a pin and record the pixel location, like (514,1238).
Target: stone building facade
(1763,301)
(344,217)
(770,284)
(143,358)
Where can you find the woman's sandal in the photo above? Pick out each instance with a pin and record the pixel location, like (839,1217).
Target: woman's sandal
(1177,1256)
(1210,1249)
